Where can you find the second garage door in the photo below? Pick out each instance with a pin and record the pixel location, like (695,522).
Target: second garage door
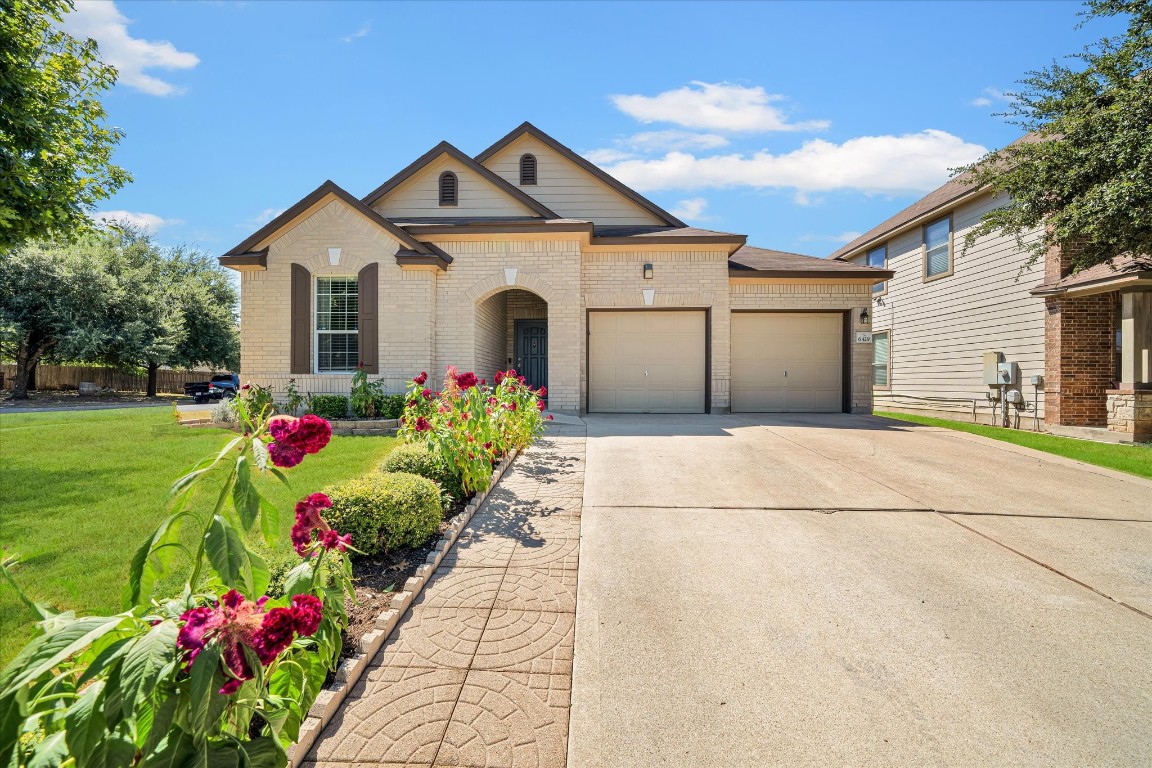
(787,362)
(646,362)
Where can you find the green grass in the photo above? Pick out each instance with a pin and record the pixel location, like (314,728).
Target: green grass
(83,490)
(1134,459)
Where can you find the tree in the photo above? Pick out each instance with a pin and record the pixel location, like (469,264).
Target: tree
(53,299)
(55,150)
(1083,175)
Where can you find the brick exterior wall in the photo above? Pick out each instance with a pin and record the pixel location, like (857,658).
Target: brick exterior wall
(429,320)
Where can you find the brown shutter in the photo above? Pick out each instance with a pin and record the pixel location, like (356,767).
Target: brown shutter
(301,319)
(368,282)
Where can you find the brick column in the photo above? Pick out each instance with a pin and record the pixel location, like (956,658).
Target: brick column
(1079,359)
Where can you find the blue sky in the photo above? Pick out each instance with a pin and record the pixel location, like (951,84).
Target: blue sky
(797,124)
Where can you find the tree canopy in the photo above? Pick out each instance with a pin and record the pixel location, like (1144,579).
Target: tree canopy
(1083,174)
(55,149)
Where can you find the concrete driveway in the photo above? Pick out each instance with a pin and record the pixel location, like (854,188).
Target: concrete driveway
(842,590)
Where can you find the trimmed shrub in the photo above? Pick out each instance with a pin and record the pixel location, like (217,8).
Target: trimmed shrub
(386,511)
(417,459)
(329,406)
(390,406)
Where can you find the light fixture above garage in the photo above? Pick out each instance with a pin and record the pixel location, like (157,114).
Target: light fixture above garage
(647,271)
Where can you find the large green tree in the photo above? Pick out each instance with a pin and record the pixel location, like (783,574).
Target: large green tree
(55,148)
(1083,175)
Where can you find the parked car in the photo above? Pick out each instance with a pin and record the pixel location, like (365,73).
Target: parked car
(221,386)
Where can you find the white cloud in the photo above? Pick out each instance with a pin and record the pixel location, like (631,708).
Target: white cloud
(714,107)
(915,162)
(991,96)
(843,237)
(603,157)
(691,209)
(103,22)
(365,28)
(664,141)
(149,222)
(264,216)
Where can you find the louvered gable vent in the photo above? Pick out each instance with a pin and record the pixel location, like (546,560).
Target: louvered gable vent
(448,185)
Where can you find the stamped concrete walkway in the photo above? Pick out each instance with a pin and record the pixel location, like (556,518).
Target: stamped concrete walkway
(479,672)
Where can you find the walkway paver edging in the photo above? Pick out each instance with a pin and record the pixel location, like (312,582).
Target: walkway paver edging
(350,671)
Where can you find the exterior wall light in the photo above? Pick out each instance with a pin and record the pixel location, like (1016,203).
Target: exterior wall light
(864,316)
(647,271)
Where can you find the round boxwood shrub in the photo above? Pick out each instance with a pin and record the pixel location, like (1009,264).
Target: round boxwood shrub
(416,459)
(385,511)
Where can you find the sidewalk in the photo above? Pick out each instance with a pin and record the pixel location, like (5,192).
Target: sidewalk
(479,672)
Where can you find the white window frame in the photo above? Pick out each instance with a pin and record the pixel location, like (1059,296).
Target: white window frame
(316,332)
(887,334)
(924,240)
(878,289)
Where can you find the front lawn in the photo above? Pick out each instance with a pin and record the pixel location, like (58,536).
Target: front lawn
(83,490)
(1134,459)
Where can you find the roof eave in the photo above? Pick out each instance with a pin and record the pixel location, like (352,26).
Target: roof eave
(254,261)
(877,239)
(1122,281)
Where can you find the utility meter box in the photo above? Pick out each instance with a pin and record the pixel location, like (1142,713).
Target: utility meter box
(1008,374)
(992,362)
(1014,396)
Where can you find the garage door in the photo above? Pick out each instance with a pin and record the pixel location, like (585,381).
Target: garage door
(646,362)
(787,362)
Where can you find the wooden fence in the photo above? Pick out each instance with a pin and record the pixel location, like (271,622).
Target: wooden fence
(70,376)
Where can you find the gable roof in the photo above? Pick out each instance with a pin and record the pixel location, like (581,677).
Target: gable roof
(528,129)
(444,148)
(763,262)
(327,188)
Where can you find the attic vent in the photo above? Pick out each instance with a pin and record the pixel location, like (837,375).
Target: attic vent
(448,188)
(527,169)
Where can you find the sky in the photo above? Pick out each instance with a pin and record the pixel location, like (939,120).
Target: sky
(800,124)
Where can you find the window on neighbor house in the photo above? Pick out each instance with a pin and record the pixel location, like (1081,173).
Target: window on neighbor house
(881,362)
(527,170)
(878,258)
(938,248)
(448,188)
(337,324)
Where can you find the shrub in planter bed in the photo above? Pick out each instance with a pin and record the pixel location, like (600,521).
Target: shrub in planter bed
(332,407)
(385,511)
(390,406)
(418,459)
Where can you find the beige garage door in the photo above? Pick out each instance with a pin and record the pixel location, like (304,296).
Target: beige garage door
(790,362)
(646,362)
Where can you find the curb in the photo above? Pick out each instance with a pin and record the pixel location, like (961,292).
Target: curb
(350,671)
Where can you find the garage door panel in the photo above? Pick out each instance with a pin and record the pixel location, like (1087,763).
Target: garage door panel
(807,346)
(668,346)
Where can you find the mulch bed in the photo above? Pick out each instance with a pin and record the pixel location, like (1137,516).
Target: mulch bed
(376,579)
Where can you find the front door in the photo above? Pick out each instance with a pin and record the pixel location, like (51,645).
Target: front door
(532,352)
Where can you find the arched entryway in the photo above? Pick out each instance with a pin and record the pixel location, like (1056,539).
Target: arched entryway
(512,332)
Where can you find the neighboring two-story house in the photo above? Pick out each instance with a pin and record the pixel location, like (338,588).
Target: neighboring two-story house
(528,256)
(1087,336)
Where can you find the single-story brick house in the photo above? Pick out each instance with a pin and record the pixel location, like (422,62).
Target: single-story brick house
(529,256)
(1086,337)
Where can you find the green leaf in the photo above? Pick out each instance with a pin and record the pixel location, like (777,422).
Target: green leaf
(204,680)
(260,455)
(176,750)
(50,753)
(228,556)
(145,660)
(84,723)
(299,580)
(244,495)
(151,560)
(45,652)
(224,756)
(162,719)
(264,752)
(269,521)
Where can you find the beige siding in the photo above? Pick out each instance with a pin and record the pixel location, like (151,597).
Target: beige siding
(940,329)
(476,196)
(491,316)
(566,188)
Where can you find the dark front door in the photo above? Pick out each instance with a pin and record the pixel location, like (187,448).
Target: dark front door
(532,351)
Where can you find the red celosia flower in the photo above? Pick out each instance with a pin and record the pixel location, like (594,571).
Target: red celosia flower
(308,519)
(275,634)
(511,372)
(492,401)
(285,455)
(422,424)
(540,405)
(246,387)
(423,377)
(499,377)
(483,382)
(488,445)
(511,406)
(233,622)
(307,612)
(427,394)
(542,392)
(520,379)
(332,540)
(466,380)
(312,433)
(548,417)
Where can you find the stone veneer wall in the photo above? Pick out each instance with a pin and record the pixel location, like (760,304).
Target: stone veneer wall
(1130,413)
(818,296)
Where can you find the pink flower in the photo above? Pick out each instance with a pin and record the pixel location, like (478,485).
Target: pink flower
(511,372)
(284,455)
(540,405)
(466,380)
(233,622)
(520,379)
(426,394)
(542,392)
(499,377)
(483,382)
(308,519)
(332,540)
(492,401)
(548,417)
(423,377)
(274,635)
(422,424)
(307,612)
(312,433)
(511,406)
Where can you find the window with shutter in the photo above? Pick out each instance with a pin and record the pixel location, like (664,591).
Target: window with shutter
(880,359)
(938,248)
(527,170)
(337,324)
(448,190)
